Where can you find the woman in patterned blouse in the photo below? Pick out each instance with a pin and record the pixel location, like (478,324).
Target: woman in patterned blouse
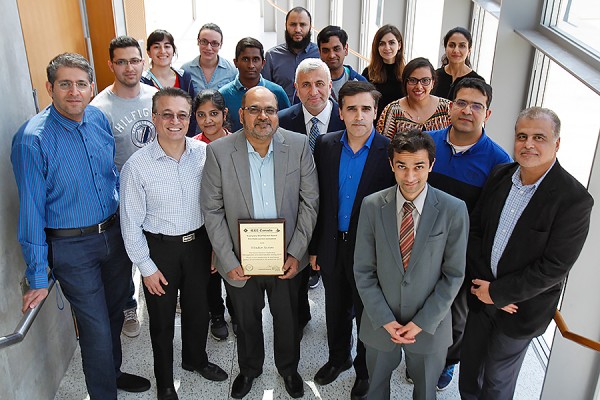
(418,109)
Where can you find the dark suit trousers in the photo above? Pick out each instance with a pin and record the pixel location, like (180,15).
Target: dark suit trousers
(248,302)
(215,297)
(490,361)
(459,310)
(186,266)
(342,303)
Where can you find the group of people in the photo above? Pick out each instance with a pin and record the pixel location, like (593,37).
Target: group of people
(421,227)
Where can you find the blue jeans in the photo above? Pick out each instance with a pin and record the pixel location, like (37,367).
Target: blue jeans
(94,273)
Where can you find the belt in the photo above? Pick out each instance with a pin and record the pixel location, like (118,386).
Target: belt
(188,237)
(343,236)
(72,232)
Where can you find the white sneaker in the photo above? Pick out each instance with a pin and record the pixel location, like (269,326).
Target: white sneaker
(131,326)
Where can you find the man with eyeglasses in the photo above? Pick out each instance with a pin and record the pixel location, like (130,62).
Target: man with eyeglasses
(282,60)
(209,70)
(249,60)
(63,160)
(261,172)
(465,156)
(127,104)
(164,234)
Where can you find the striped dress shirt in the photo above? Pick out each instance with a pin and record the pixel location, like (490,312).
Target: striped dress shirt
(66,177)
(160,195)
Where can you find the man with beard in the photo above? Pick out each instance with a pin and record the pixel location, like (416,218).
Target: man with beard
(282,60)
(127,104)
(261,172)
(249,60)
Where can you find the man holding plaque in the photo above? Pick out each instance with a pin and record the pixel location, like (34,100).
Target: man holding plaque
(261,172)
(351,164)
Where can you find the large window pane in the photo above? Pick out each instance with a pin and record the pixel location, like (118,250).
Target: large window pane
(580,20)
(577,106)
(427,30)
(484,30)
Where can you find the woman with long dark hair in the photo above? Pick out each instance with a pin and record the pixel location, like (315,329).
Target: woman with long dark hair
(211,115)
(455,62)
(418,109)
(386,66)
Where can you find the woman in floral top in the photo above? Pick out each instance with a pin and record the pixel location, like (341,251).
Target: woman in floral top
(418,109)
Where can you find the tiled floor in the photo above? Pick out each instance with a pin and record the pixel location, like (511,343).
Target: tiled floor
(137,358)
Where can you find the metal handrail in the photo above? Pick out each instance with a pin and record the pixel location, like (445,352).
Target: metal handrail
(26,321)
(567,334)
(350,49)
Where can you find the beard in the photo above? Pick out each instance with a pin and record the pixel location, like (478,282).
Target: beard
(301,45)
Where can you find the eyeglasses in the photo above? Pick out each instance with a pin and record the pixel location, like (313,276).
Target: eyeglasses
(123,63)
(475,107)
(168,116)
(213,44)
(65,86)
(424,81)
(270,111)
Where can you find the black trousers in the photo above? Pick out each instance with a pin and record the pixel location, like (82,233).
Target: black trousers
(215,297)
(249,302)
(490,360)
(342,304)
(303,304)
(459,310)
(186,267)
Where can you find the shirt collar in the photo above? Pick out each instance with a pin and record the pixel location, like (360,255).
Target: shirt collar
(220,62)
(251,149)
(474,146)
(419,201)
(516,178)
(367,144)
(157,152)
(323,116)
(238,84)
(67,123)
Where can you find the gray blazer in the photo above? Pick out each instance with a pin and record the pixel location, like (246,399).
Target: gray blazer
(226,195)
(423,294)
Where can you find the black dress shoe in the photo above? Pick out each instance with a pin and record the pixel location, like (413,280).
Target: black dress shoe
(360,389)
(329,372)
(132,383)
(167,394)
(241,386)
(211,371)
(294,385)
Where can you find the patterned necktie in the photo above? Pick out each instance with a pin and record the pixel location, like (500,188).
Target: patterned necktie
(407,233)
(314,133)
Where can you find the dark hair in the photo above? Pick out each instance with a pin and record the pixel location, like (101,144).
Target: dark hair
(298,10)
(352,88)
(475,83)
(246,42)
(170,92)
(122,42)
(158,36)
(215,97)
(375,70)
(466,34)
(541,113)
(69,60)
(419,62)
(412,141)
(211,27)
(326,33)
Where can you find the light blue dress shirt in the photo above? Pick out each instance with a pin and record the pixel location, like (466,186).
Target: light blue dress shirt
(262,182)
(224,73)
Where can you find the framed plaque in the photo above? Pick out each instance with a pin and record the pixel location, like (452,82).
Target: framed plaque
(262,246)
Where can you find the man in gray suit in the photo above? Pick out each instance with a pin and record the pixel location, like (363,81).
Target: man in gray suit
(409,266)
(261,172)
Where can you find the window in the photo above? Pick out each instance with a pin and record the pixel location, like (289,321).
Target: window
(484,30)
(425,38)
(578,20)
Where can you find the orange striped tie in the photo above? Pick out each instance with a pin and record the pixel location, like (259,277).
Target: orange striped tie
(407,233)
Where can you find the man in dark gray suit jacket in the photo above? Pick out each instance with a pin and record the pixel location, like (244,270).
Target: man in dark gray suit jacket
(409,265)
(261,172)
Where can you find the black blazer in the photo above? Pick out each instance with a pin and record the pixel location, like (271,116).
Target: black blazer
(377,175)
(292,119)
(543,247)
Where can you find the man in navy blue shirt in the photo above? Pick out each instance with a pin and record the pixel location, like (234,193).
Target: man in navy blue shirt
(63,160)
(351,164)
(464,158)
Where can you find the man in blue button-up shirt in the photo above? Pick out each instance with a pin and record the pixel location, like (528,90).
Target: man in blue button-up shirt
(63,160)
(351,164)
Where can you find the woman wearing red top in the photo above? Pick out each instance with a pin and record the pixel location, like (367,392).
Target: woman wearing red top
(211,116)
